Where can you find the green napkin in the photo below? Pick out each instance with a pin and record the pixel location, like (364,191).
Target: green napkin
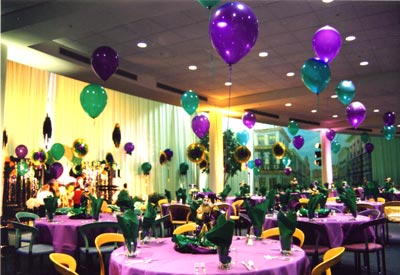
(193,209)
(245,190)
(372,190)
(124,201)
(271,201)
(225,192)
(257,215)
(288,200)
(96,207)
(50,204)
(168,195)
(263,190)
(348,197)
(313,202)
(221,235)
(148,218)
(324,197)
(129,225)
(181,195)
(287,225)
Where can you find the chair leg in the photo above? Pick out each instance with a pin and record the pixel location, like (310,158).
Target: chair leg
(383,261)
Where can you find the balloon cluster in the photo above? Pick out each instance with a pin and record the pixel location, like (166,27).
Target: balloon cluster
(298,140)
(165,156)
(80,148)
(255,165)
(389,130)
(39,157)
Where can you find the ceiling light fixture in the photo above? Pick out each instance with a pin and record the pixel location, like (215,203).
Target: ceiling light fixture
(262,54)
(350,38)
(288,104)
(364,63)
(335,116)
(290,74)
(333,96)
(192,67)
(228,83)
(313,111)
(376,110)
(142,45)
(327,1)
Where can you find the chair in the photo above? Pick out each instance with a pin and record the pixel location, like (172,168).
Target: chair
(235,216)
(331,257)
(63,263)
(380,199)
(185,228)
(225,207)
(331,199)
(178,214)
(369,244)
(88,232)
(32,249)
(391,209)
(371,213)
(335,209)
(303,202)
(160,203)
(274,232)
(364,206)
(106,238)
(27,218)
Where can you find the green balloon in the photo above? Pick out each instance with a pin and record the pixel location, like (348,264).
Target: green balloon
(190,102)
(93,99)
(146,167)
(209,4)
(57,151)
(316,75)
(22,168)
(389,132)
(293,127)
(364,137)
(256,171)
(335,146)
(345,91)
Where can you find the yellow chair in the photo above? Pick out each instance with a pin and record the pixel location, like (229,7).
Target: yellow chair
(63,263)
(235,216)
(331,257)
(223,206)
(274,232)
(331,199)
(185,228)
(304,202)
(380,199)
(106,238)
(392,214)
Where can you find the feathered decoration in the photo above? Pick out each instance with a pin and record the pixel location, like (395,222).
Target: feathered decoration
(47,129)
(5,138)
(116,135)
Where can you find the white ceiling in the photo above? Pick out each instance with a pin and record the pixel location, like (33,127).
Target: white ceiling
(177,35)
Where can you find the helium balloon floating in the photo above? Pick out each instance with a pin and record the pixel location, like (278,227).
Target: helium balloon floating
(129,147)
(356,113)
(345,91)
(369,147)
(104,62)
(249,119)
(330,134)
(93,100)
(293,127)
(209,4)
(326,43)
(298,142)
(21,151)
(190,102)
(242,137)
(146,167)
(233,31)
(389,132)
(335,146)
(200,125)
(389,118)
(315,75)
(80,148)
(287,171)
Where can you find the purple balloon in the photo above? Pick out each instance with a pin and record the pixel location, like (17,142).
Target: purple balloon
(169,153)
(249,119)
(298,141)
(21,151)
(104,62)
(257,162)
(326,43)
(56,169)
(389,118)
(369,147)
(356,113)
(129,147)
(287,171)
(330,134)
(200,125)
(233,31)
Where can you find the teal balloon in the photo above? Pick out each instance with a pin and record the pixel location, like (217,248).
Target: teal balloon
(256,171)
(190,102)
(93,100)
(22,168)
(242,137)
(209,4)
(315,75)
(345,91)
(57,151)
(250,164)
(364,137)
(293,127)
(389,132)
(335,146)
(286,161)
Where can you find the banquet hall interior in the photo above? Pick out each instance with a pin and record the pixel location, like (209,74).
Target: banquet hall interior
(181,99)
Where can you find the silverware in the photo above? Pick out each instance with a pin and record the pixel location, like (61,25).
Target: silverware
(246,265)
(251,264)
(203,267)
(196,267)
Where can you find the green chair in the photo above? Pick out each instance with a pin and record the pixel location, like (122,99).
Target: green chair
(89,232)
(32,249)
(27,218)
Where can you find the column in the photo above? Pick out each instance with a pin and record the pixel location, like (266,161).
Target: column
(326,157)
(216,155)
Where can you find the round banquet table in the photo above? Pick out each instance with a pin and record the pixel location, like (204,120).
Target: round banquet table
(341,206)
(63,233)
(160,257)
(338,226)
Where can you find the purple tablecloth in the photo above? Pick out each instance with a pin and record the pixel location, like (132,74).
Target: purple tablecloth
(63,233)
(337,226)
(340,205)
(165,260)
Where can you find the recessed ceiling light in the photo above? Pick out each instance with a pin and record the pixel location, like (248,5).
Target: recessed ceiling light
(363,63)
(327,1)
(262,54)
(192,67)
(228,83)
(333,96)
(290,74)
(313,111)
(350,38)
(376,110)
(335,116)
(142,45)
(288,104)
(398,125)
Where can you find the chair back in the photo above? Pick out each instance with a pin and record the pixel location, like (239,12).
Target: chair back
(335,209)
(21,228)
(94,229)
(106,238)
(364,206)
(391,209)
(63,263)
(161,202)
(179,213)
(371,213)
(26,217)
(380,199)
(331,257)
(274,232)
(236,205)
(223,206)
(185,228)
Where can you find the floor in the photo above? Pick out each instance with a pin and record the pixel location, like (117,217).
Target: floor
(346,266)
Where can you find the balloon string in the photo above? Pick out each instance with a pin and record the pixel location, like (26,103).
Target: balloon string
(318,109)
(211,52)
(229,93)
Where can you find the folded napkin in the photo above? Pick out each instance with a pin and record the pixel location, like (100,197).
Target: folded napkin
(287,225)
(263,190)
(50,204)
(181,195)
(148,218)
(221,235)
(124,201)
(271,200)
(129,225)
(96,207)
(225,192)
(289,200)
(168,195)
(257,215)
(244,190)
(313,202)
(348,197)
(371,190)
(194,205)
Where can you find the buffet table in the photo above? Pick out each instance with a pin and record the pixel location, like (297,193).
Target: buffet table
(160,257)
